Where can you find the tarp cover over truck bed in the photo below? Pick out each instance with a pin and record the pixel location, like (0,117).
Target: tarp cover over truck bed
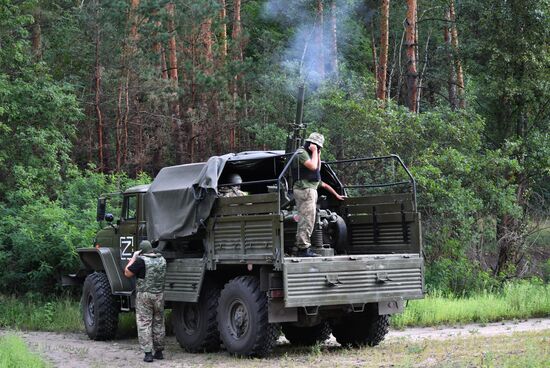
(182,196)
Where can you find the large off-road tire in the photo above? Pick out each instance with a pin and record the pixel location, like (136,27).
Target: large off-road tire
(99,307)
(243,318)
(361,329)
(195,324)
(306,336)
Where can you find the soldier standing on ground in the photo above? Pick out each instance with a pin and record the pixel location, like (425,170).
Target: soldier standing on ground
(307,179)
(150,269)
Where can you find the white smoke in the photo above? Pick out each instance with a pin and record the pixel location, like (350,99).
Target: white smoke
(305,54)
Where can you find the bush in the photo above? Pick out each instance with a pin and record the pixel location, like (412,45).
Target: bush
(38,240)
(459,278)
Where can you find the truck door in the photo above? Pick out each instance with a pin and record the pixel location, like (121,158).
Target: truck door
(128,227)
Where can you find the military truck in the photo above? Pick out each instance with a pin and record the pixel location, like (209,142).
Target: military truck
(231,275)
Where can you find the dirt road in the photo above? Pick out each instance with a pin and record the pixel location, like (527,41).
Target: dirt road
(75,350)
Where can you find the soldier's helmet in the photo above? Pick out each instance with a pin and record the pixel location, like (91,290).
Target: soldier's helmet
(234,179)
(145,247)
(316,138)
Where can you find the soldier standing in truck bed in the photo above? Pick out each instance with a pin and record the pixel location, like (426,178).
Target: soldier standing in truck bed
(150,269)
(233,190)
(307,179)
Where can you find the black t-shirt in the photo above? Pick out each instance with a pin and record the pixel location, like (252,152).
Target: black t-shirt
(138,268)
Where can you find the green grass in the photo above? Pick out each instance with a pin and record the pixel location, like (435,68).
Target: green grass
(14,354)
(516,300)
(58,314)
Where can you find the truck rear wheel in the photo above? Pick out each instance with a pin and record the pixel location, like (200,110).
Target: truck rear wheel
(307,336)
(99,307)
(243,318)
(360,329)
(195,324)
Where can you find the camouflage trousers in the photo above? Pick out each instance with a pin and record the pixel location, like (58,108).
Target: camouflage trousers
(150,321)
(306,204)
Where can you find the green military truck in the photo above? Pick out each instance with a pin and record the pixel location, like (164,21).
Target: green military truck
(231,278)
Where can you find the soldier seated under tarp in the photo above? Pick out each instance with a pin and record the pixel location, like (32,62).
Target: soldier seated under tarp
(233,190)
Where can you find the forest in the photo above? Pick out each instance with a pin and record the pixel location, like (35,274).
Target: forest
(97,95)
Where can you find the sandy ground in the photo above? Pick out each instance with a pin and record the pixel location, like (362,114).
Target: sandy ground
(76,350)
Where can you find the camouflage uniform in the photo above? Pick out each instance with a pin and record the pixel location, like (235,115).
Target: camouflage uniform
(150,304)
(306,204)
(305,194)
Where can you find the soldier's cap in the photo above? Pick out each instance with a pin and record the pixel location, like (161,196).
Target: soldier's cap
(316,138)
(145,247)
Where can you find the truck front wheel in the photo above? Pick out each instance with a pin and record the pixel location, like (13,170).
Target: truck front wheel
(243,318)
(99,307)
(195,323)
(360,329)
(307,336)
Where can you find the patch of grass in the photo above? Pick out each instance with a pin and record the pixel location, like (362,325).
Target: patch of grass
(15,354)
(58,314)
(516,300)
(518,350)
(61,314)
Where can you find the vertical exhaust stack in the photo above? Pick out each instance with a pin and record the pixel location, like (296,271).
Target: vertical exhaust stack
(298,128)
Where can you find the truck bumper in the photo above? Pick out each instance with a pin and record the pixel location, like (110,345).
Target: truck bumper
(345,280)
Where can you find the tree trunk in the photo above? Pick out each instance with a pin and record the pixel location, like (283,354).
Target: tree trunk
(384,39)
(423,72)
(206,33)
(223,35)
(97,99)
(118,129)
(456,53)
(411,42)
(36,36)
(158,49)
(236,35)
(320,39)
(374,59)
(175,106)
(452,73)
(334,39)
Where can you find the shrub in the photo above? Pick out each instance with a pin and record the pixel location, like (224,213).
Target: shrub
(38,240)
(459,277)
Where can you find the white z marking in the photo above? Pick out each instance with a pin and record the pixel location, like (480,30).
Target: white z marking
(126,246)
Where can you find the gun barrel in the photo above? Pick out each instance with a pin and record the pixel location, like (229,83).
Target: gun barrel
(300,106)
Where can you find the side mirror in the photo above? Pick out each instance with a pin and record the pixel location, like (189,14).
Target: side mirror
(101,205)
(109,217)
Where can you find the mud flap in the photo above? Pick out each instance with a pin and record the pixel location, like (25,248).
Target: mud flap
(391,307)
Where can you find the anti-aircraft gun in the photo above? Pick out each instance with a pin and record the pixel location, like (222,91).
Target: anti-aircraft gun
(231,277)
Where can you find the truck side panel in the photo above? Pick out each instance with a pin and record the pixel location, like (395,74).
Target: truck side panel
(183,280)
(381,224)
(243,230)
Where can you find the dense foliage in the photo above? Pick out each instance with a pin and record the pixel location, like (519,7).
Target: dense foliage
(98,95)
